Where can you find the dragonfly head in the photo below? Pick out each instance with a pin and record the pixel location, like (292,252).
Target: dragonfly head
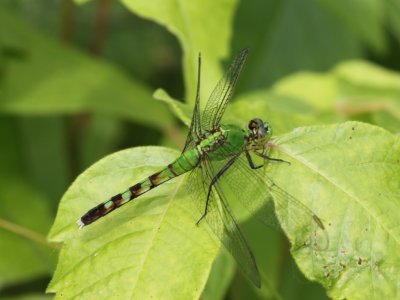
(259,130)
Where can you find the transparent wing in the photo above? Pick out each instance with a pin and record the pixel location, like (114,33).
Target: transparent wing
(258,193)
(220,220)
(222,93)
(195,125)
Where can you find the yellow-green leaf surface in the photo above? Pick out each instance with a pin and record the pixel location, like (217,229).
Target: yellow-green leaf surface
(180,109)
(283,112)
(352,88)
(366,88)
(199,25)
(319,90)
(349,174)
(355,78)
(148,249)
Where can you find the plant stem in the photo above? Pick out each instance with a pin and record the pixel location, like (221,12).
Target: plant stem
(67,23)
(27,233)
(100,27)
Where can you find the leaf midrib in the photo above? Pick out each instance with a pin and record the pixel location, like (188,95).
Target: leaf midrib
(155,232)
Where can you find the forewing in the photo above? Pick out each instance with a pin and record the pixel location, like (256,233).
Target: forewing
(220,220)
(258,193)
(195,125)
(222,93)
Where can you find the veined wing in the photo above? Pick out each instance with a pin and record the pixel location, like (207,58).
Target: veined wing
(195,125)
(222,93)
(221,221)
(258,193)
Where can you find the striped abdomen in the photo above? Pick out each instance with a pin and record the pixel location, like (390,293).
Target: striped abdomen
(186,162)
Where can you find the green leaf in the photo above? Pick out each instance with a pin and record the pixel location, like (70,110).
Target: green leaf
(316,89)
(369,27)
(282,112)
(368,77)
(387,121)
(366,88)
(266,244)
(22,207)
(82,1)
(351,89)
(393,10)
(29,297)
(37,151)
(180,109)
(201,25)
(23,259)
(350,179)
(150,248)
(99,138)
(61,80)
(220,278)
(279,46)
(348,176)
(349,81)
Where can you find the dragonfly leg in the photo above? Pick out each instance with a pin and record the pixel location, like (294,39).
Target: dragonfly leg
(213,181)
(251,163)
(270,158)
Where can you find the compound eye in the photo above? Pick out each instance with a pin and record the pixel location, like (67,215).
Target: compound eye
(252,124)
(255,124)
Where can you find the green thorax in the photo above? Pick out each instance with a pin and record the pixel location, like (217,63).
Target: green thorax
(223,141)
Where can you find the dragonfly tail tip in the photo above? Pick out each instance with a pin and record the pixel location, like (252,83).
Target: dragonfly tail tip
(80,223)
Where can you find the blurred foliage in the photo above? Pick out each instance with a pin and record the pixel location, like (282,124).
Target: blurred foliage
(77,83)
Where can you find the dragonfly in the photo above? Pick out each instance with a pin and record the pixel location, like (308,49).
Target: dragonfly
(220,160)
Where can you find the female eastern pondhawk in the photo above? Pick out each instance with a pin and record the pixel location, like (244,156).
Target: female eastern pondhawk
(220,159)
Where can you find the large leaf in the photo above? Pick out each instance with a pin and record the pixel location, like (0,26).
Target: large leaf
(349,177)
(349,174)
(353,88)
(199,25)
(367,79)
(61,80)
(148,249)
(319,90)
(365,88)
